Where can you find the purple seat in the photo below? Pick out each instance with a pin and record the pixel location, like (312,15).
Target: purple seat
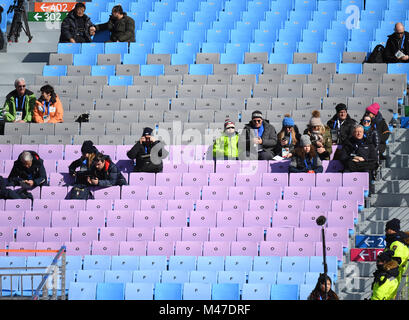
(280,234)
(18,204)
(146,218)
(132,248)
(195,234)
(29,234)
(48,192)
(324,193)
(6,151)
(86,234)
(120,218)
(356,179)
(160,248)
(91,218)
(161,192)
(113,234)
(11,219)
(46,204)
(297,193)
(252,234)
(202,218)
(174,167)
(126,204)
(307,234)
(201,167)
(262,205)
(157,205)
(49,245)
(241,193)
(8,166)
(7,234)
(341,219)
(108,248)
(337,234)
(229,219)
(215,193)
(301,180)
(201,151)
(235,205)
(187,193)
(222,234)
(228,166)
(195,179)
(289,205)
(273,248)
(216,248)
(332,166)
(181,154)
(108,193)
(125,166)
(168,234)
(139,234)
(250,167)
(285,219)
(99,204)
(19,148)
(72,152)
(349,193)
(248,180)
(60,218)
(142,179)
(212,205)
(51,151)
(317,205)
(50,166)
(301,249)
(308,219)
(37,218)
(72,205)
(57,234)
(279,166)
(268,193)
(328,179)
(221,179)
(109,150)
(62,165)
(20,245)
(169,179)
(121,151)
(188,248)
(244,248)
(2,204)
(345,205)
(134,192)
(333,249)
(184,205)
(259,218)
(78,248)
(175,218)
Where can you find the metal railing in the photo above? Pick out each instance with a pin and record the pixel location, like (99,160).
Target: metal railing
(49,278)
(403,290)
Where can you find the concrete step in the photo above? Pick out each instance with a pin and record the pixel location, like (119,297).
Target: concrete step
(358,269)
(45,36)
(389,200)
(353,284)
(35,68)
(10,77)
(5,89)
(400,135)
(398,148)
(377,227)
(394,186)
(25,57)
(401,173)
(398,161)
(383,214)
(31,47)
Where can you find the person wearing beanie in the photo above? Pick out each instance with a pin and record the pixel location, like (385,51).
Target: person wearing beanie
(341,124)
(148,153)
(287,138)
(88,152)
(386,277)
(258,139)
(305,158)
(226,147)
(320,136)
(380,125)
(318,293)
(397,243)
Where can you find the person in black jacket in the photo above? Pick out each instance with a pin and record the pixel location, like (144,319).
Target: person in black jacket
(84,163)
(28,171)
(121,26)
(370,132)
(341,124)
(104,173)
(77,26)
(397,46)
(380,125)
(306,158)
(148,153)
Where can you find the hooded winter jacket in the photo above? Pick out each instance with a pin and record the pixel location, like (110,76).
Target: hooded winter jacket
(70,27)
(386,283)
(10,106)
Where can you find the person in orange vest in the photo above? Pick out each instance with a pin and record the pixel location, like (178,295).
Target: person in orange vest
(48,108)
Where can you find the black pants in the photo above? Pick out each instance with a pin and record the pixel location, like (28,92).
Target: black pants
(149,167)
(366,166)
(265,155)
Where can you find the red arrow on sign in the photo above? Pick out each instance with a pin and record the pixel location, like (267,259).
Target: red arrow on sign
(364,255)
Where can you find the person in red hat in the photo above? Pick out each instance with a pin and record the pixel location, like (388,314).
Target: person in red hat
(380,125)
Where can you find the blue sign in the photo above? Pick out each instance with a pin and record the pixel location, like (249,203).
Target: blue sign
(370,241)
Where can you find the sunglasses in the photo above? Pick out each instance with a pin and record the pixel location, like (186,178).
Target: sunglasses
(230,128)
(23,86)
(399,32)
(257,121)
(366,121)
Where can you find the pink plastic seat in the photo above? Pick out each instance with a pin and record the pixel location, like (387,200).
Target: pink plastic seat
(141,179)
(301,248)
(201,152)
(285,219)
(235,205)
(307,234)
(301,180)
(187,193)
(108,248)
(7,234)
(248,180)
(82,234)
(57,234)
(108,193)
(109,150)
(120,218)
(188,248)
(216,248)
(127,204)
(72,152)
(228,166)
(37,218)
(253,234)
(328,179)
(49,245)
(229,219)
(72,205)
(222,234)
(121,151)
(268,193)
(30,234)
(174,166)
(344,219)
(324,193)
(60,218)
(173,218)
(257,218)
(11,219)
(195,233)
(78,248)
(90,218)
(146,218)
(46,205)
(221,179)
(289,205)
(99,204)
(200,218)
(50,166)
(8,166)
(280,234)
(134,193)
(337,234)
(345,205)
(6,151)
(241,193)
(184,205)
(273,248)
(215,193)
(195,179)
(161,192)
(156,205)
(169,179)
(168,234)
(297,193)
(209,205)
(317,205)
(18,204)
(53,192)
(356,179)
(351,193)
(20,245)
(19,148)
(308,219)
(62,166)
(132,248)
(244,248)
(139,234)
(113,234)
(262,205)
(333,249)
(249,167)
(160,248)
(182,154)
(201,166)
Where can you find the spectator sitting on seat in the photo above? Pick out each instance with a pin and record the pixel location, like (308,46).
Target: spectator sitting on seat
(290,130)
(148,153)
(370,132)
(28,171)
(305,158)
(319,291)
(227,146)
(320,136)
(358,154)
(380,125)
(121,26)
(48,107)
(89,152)
(258,139)
(12,194)
(341,125)
(386,277)
(19,103)
(77,26)
(104,173)
(397,46)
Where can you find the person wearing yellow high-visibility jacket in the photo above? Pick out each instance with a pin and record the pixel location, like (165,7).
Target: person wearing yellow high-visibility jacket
(386,281)
(227,146)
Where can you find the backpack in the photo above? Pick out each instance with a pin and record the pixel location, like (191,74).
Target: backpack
(377,55)
(80,192)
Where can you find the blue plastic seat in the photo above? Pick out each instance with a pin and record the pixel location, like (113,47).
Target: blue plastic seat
(213,47)
(141,6)
(152,69)
(267,263)
(398,68)
(205,17)
(309,46)
(261,47)
(194,36)
(256,291)
(120,80)
(295,264)
(186,263)
(237,47)
(13,261)
(146,276)
(139,48)
(346,3)
(110,291)
(241,36)
(225,291)
(139,291)
(168,291)
(290,277)
(133,58)
(103,70)
(82,291)
(302,5)
(357,46)
(201,69)
(337,34)
(252,68)
(182,58)
(125,263)
(262,277)
(235,6)
(73,262)
(340,45)
(284,47)
(188,6)
(231,277)
(197,291)
(90,275)
(284,292)
(265,35)
(175,276)
(227,19)
(210,263)
(153,262)
(280,58)
(146,36)
(329,56)
(325,6)
(228,58)
(238,263)
(69,48)
(51,70)
(116,47)
(99,262)
(316,264)
(93,48)
(290,35)
(84,59)
(118,276)
(376,5)
(350,68)
(39,261)
(305,290)
(170,37)
(213,35)
(312,277)
(205,276)
(299,68)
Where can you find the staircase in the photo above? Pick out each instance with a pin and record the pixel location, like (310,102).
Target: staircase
(390,199)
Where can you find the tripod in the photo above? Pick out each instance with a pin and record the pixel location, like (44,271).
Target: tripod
(17,24)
